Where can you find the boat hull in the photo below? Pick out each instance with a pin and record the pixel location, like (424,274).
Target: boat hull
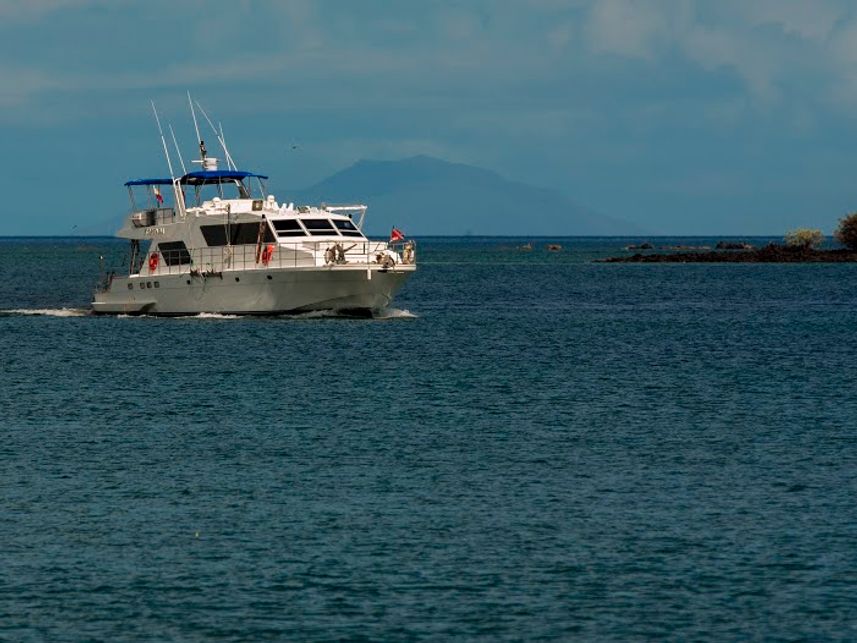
(350,289)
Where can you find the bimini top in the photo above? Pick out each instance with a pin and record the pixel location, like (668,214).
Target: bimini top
(207,177)
(148,182)
(201,177)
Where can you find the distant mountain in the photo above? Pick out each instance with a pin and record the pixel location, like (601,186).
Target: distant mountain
(427,196)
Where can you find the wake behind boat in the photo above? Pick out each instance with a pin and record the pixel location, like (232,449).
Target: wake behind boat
(227,246)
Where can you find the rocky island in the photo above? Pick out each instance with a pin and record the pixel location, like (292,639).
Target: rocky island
(772,253)
(800,246)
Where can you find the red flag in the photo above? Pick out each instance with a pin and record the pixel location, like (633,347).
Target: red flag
(396,235)
(158,195)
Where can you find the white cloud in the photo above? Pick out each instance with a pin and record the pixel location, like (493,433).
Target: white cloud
(454,53)
(627,27)
(27,10)
(812,20)
(770,44)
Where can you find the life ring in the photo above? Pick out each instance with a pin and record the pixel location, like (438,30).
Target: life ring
(267,253)
(153,262)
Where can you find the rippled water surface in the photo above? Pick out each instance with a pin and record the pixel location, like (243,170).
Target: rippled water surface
(529,445)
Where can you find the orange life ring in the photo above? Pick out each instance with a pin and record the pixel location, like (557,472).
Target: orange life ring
(267,253)
(153,262)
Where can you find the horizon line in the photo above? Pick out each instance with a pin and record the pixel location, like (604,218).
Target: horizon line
(464,236)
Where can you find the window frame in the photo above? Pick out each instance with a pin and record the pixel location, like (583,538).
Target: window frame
(353,231)
(297,231)
(331,231)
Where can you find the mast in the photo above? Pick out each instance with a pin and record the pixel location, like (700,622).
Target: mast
(220,139)
(202,151)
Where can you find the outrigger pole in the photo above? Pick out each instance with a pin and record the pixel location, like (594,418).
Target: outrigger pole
(163,142)
(229,158)
(177,195)
(178,151)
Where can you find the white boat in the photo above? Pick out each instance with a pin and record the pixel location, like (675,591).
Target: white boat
(237,250)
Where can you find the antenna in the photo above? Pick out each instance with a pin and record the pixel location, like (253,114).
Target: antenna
(196,127)
(176,145)
(163,141)
(220,139)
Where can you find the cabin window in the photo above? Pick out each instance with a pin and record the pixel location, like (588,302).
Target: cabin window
(319,227)
(174,252)
(288,228)
(239,233)
(347,228)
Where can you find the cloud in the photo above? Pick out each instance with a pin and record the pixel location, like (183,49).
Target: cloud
(21,83)
(771,45)
(437,51)
(29,10)
(807,20)
(627,27)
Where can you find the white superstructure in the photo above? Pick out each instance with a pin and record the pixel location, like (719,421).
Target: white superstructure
(236,250)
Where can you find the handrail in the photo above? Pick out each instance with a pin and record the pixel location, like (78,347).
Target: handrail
(216,260)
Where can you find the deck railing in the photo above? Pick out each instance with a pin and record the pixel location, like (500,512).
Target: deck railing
(273,255)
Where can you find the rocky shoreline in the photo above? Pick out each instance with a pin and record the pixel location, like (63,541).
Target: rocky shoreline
(772,253)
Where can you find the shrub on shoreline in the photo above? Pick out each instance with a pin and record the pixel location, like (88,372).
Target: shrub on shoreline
(804,238)
(846,233)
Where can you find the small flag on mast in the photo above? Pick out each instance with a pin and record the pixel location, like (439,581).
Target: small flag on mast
(158,195)
(396,235)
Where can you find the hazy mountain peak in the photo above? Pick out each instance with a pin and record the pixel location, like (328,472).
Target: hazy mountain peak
(370,176)
(428,195)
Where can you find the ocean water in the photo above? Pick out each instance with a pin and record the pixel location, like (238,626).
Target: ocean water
(528,446)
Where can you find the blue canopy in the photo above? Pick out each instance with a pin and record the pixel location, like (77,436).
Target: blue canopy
(206,177)
(201,177)
(149,182)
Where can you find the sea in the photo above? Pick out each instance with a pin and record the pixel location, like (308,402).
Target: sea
(528,445)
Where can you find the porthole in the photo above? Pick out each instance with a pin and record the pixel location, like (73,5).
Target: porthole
(148,284)
(188,282)
(142,286)
(157,284)
(237,279)
(130,286)
(270,277)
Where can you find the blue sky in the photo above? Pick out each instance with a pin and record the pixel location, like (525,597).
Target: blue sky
(686,117)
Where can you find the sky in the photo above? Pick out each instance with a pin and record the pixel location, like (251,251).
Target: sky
(730,117)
